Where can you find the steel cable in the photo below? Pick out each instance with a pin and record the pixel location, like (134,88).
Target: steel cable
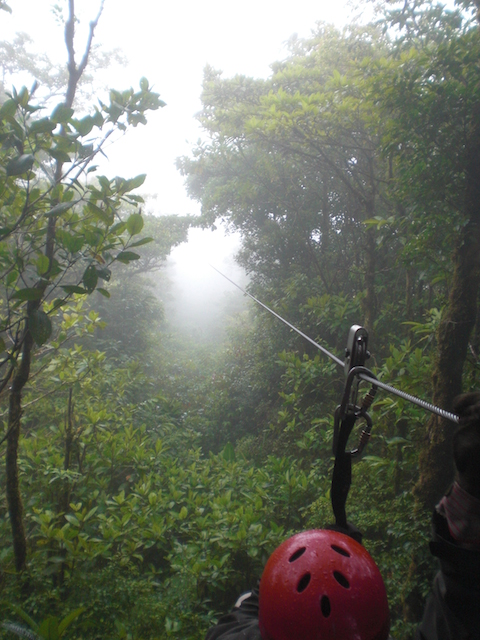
(315,344)
(386,387)
(414,400)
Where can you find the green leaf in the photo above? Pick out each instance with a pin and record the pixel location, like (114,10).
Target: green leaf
(8,109)
(135,224)
(23,96)
(24,616)
(104,292)
(49,629)
(43,263)
(85,150)
(104,183)
(228,452)
(90,278)
(2,345)
(118,228)
(397,440)
(59,154)
(139,243)
(104,273)
(60,208)
(134,183)
(58,302)
(134,198)
(61,114)
(11,278)
(71,288)
(100,213)
(20,165)
(67,621)
(84,126)
(98,119)
(71,242)
(127,256)
(44,125)
(73,520)
(40,326)
(376,461)
(30,293)
(93,237)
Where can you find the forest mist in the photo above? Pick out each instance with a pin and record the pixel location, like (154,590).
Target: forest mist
(163,434)
(197,300)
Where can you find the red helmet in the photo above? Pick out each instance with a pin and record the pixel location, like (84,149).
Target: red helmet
(322,585)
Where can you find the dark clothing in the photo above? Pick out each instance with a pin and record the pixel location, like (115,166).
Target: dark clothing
(240,624)
(452,611)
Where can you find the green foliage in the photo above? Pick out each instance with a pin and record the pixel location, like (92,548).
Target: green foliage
(59,238)
(153,467)
(49,629)
(132,495)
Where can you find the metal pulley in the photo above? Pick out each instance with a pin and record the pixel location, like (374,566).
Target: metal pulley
(356,353)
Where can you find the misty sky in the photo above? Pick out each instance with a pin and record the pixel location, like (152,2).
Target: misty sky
(170,43)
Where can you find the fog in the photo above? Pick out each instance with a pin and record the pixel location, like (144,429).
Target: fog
(171,46)
(201,303)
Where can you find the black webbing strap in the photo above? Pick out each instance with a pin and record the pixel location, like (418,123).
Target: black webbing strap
(342,472)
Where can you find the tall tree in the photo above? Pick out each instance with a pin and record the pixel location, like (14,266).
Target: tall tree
(295,166)
(60,230)
(357,130)
(429,96)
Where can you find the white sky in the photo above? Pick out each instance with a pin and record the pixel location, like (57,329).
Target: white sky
(170,43)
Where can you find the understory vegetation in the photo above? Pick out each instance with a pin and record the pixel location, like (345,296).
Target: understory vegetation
(148,476)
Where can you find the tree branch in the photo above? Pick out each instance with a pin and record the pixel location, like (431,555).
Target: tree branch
(91,32)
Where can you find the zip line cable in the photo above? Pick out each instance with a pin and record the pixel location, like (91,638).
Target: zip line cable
(413,399)
(315,344)
(386,387)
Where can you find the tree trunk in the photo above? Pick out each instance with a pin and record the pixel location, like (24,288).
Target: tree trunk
(436,464)
(325,217)
(370,308)
(65,500)
(409,295)
(14,498)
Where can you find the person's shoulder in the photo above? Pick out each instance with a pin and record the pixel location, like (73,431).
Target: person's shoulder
(241,623)
(455,560)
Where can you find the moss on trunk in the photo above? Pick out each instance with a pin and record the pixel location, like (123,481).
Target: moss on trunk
(436,464)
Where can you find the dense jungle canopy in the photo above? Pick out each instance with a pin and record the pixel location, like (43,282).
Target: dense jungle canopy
(146,476)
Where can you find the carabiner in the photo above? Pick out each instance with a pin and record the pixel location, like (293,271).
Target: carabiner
(347,407)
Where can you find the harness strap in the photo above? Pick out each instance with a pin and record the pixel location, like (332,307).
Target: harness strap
(342,472)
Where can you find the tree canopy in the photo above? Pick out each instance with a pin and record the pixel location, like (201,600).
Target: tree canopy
(139,461)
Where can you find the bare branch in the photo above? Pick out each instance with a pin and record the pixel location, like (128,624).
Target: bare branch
(74,72)
(91,31)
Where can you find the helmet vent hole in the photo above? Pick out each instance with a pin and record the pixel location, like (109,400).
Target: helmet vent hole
(325,606)
(341,579)
(297,554)
(303,584)
(342,552)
